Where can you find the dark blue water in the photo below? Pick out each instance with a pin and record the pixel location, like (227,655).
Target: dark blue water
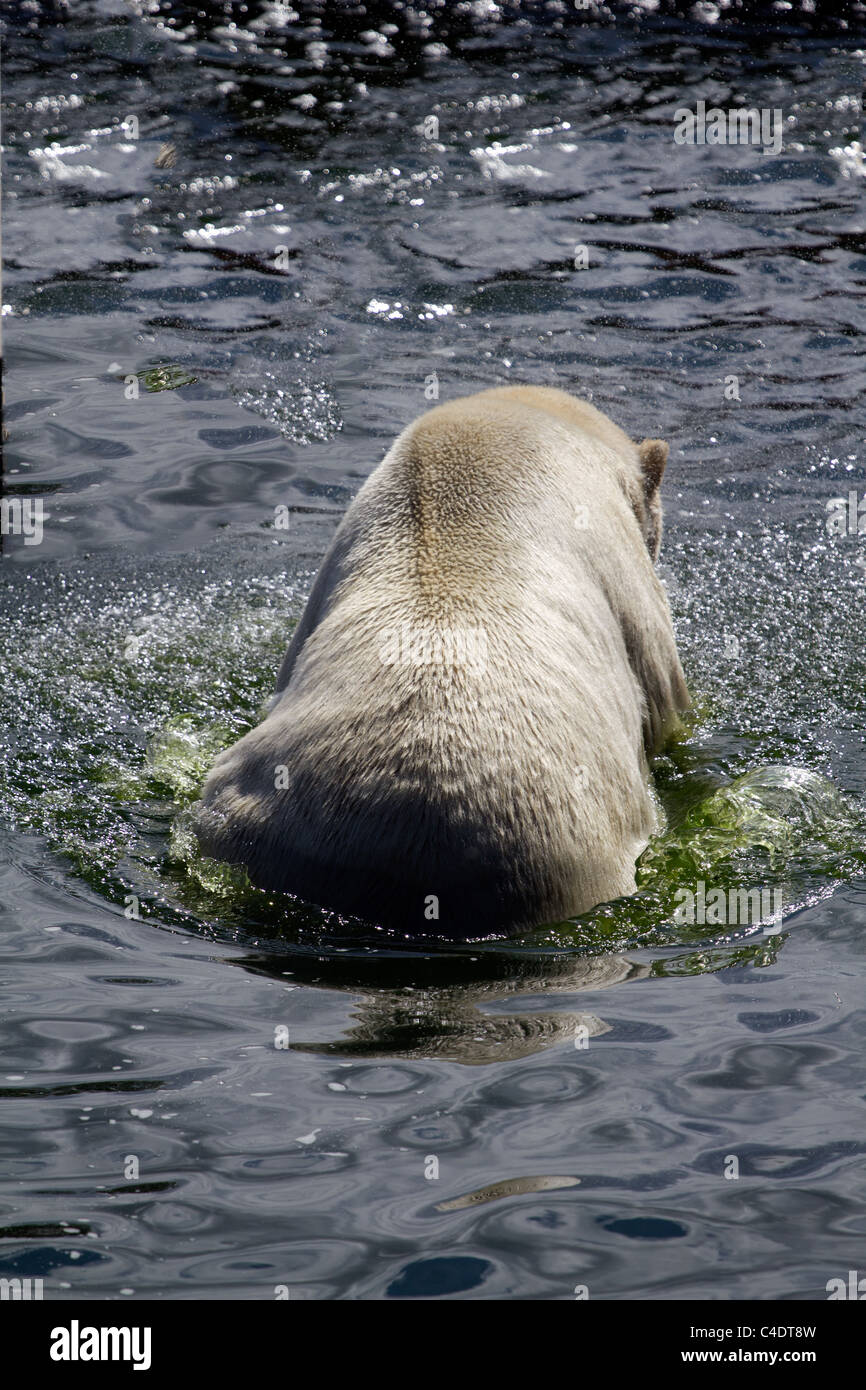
(210,1094)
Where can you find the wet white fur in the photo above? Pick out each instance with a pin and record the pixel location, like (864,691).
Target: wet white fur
(497,795)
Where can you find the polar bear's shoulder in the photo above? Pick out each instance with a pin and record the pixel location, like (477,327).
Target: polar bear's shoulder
(497,439)
(568,409)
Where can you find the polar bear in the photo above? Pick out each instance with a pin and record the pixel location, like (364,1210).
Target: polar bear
(459,740)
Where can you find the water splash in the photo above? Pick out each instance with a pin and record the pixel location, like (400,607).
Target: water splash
(124,686)
(734,862)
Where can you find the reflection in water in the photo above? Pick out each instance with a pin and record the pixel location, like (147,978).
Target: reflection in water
(434,1016)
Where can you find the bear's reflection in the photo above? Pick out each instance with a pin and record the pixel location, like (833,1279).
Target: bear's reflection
(448,1019)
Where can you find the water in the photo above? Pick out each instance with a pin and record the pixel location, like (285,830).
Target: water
(202,349)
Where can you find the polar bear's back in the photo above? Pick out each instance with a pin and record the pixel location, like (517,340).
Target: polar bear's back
(461,718)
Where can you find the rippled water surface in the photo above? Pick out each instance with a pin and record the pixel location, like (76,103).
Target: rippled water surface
(241,242)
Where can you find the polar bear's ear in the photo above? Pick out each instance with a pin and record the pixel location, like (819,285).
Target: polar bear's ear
(653,457)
